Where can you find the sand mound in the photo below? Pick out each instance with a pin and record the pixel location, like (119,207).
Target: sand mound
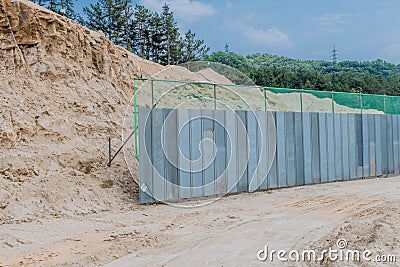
(63,92)
(213,76)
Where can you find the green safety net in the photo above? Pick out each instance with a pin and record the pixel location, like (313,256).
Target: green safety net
(171,94)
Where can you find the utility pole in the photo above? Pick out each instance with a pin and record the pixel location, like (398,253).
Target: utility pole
(334,54)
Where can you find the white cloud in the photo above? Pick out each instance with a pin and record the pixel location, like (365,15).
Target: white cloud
(266,37)
(332,22)
(187,10)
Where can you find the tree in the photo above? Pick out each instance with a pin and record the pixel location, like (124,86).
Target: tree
(140,30)
(97,18)
(63,7)
(171,36)
(192,48)
(157,38)
(111,17)
(151,35)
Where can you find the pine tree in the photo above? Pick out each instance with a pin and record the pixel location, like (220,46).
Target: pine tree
(111,17)
(192,49)
(67,8)
(171,36)
(154,36)
(140,30)
(97,19)
(63,7)
(157,38)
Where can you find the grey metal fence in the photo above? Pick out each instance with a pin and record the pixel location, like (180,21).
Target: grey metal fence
(204,153)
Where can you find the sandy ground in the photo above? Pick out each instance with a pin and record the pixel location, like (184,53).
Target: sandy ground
(229,232)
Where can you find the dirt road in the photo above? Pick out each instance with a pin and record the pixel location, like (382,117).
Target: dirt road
(229,232)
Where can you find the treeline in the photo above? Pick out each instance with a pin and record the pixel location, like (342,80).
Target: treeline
(151,35)
(376,77)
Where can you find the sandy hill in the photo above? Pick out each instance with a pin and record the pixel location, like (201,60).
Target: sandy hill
(63,91)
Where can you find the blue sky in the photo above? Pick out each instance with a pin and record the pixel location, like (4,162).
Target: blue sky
(360,29)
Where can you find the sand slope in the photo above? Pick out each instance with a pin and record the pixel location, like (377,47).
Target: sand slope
(63,92)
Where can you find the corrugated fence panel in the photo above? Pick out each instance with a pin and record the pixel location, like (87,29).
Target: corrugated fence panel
(366,146)
(359,145)
(390,143)
(232,151)
(307,148)
(396,144)
(242,149)
(352,147)
(345,146)
(281,148)
(290,149)
(384,144)
(196,135)
(253,135)
(159,184)
(146,165)
(372,145)
(323,147)
(203,153)
(330,126)
(273,174)
(378,145)
(298,130)
(170,143)
(337,118)
(222,141)
(208,153)
(262,170)
(315,163)
(184,156)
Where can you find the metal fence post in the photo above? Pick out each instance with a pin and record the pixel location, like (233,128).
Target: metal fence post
(265,99)
(135,115)
(215,96)
(152,93)
(384,104)
(301,101)
(333,102)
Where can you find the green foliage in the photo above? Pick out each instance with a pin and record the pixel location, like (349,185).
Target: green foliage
(111,17)
(191,48)
(62,7)
(151,35)
(170,41)
(376,77)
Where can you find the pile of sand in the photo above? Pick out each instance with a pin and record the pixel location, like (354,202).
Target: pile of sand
(63,92)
